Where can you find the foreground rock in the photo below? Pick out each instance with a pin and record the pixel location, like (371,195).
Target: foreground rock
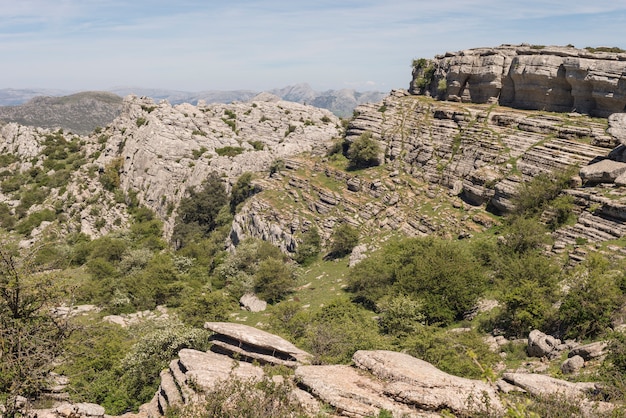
(418,383)
(350,392)
(254,344)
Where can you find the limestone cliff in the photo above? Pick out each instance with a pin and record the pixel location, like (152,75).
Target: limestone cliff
(559,79)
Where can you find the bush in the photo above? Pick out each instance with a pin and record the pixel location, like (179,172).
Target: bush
(309,248)
(242,190)
(273,280)
(593,297)
(198,212)
(110,177)
(343,240)
(364,152)
(442,275)
(229,151)
(206,306)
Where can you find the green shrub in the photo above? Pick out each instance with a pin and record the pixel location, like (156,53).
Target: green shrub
(204,306)
(273,280)
(257,145)
(229,151)
(237,398)
(140,122)
(26,226)
(241,191)
(364,151)
(110,177)
(309,248)
(344,238)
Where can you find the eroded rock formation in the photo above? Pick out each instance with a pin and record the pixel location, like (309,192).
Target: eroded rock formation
(558,79)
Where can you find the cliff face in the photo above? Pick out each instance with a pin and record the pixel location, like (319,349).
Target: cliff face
(559,79)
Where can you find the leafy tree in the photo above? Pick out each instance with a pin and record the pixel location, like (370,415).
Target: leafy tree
(592,298)
(344,238)
(309,248)
(273,280)
(198,212)
(31,335)
(242,190)
(534,196)
(364,151)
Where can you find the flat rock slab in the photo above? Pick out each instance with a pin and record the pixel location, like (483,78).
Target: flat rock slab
(351,392)
(590,351)
(209,368)
(417,382)
(268,343)
(542,385)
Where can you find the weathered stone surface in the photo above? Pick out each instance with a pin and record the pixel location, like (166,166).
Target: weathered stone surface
(542,345)
(252,303)
(542,385)
(605,171)
(207,368)
(617,127)
(559,79)
(419,383)
(572,364)
(255,340)
(350,392)
(589,351)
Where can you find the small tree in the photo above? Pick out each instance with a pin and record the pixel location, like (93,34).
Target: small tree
(310,247)
(364,152)
(343,240)
(30,333)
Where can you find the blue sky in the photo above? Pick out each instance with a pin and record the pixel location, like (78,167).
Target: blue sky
(262,44)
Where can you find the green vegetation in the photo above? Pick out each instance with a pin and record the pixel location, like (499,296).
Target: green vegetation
(364,152)
(613,49)
(345,237)
(229,151)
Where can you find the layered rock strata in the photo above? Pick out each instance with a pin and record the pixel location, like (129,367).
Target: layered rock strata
(557,79)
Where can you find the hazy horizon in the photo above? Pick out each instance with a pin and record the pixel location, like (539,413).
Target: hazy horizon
(258,45)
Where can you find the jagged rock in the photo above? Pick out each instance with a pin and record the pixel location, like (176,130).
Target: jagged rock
(572,364)
(256,344)
(542,345)
(80,410)
(207,369)
(605,171)
(252,303)
(351,393)
(589,351)
(421,384)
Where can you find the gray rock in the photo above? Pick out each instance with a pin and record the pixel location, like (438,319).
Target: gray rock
(419,383)
(542,385)
(589,351)
(252,303)
(351,393)
(605,171)
(542,345)
(572,364)
(256,341)
(617,127)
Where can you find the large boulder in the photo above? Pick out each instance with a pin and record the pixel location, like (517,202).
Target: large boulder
(542,385)
(419,383)
(589,351)
(542,345)
(605,171)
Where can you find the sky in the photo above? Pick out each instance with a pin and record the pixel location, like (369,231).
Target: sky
(198,45)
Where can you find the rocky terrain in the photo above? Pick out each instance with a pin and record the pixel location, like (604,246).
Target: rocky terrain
(557,79)
(453,159)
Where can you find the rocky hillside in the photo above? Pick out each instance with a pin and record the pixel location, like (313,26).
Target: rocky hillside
(557,79)
(79,113)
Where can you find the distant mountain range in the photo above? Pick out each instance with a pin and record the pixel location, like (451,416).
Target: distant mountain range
(53,108)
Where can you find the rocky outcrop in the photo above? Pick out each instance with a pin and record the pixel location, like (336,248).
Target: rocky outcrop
(167,149)
(418,383)
(557,79)
(254,344)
